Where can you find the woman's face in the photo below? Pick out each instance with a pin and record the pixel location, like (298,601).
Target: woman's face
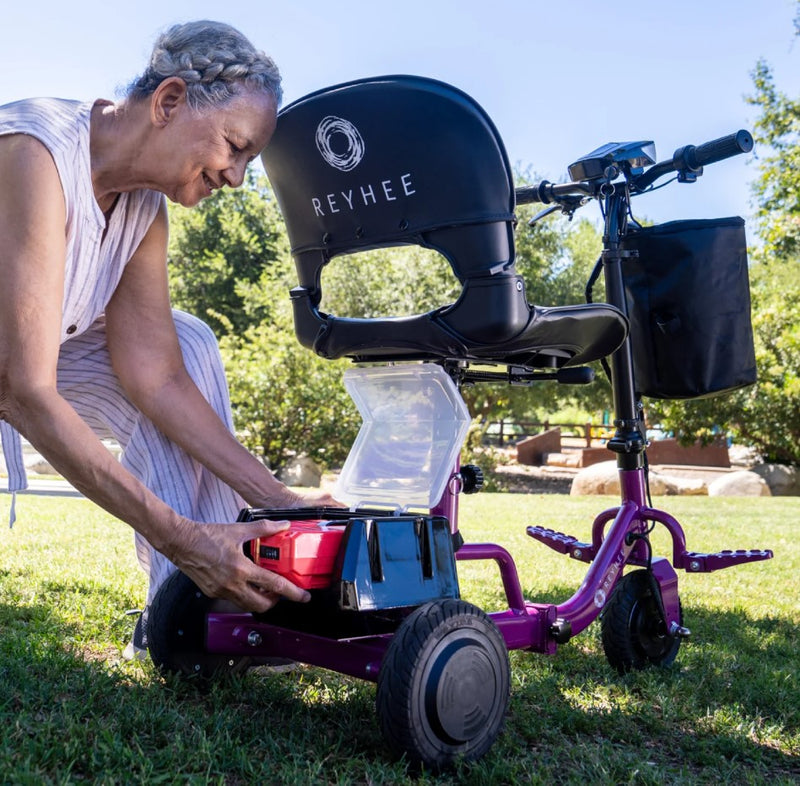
(210,148)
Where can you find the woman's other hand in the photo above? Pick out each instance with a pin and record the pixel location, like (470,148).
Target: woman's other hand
(212,556)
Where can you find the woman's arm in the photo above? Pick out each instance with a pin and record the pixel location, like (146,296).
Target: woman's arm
(147,359)
(32,251)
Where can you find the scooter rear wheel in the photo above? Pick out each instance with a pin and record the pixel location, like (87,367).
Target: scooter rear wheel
(443,687)
(633,632)
(176,631)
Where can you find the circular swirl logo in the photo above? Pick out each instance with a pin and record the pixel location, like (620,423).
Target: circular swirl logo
(600,598)
(339,143)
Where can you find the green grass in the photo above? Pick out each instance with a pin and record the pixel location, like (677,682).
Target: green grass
(727,712)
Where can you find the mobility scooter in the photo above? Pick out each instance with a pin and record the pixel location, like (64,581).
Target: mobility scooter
(401,160)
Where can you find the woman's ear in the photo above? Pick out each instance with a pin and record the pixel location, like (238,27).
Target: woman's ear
(166,98)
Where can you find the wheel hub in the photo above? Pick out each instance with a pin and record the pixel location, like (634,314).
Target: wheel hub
(461,691)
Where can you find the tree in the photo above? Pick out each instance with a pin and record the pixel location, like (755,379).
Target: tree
(222,251)
(286,400)
(778,186)
(387,282)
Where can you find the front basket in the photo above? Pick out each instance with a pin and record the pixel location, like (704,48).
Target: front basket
(688,300)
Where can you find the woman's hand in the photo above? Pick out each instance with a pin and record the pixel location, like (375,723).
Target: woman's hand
(320,499)
(274,495)
(312,499)
(212,556)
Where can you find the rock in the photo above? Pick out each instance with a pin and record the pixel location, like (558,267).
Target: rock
(676,486)
(301,471)
(743,483)
(602,478)
(783,481)
(658,485)
(743,456)
(561,459)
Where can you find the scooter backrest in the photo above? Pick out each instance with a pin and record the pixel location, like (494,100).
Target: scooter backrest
(389,161)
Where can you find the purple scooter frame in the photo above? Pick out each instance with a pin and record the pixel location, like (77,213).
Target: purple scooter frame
(524,625)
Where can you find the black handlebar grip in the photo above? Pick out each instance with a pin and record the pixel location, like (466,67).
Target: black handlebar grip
(719,149)
(527,194)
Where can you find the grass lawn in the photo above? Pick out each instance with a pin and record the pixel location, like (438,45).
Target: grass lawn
(727,712)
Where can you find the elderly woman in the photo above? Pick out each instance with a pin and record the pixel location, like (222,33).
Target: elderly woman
(89,345)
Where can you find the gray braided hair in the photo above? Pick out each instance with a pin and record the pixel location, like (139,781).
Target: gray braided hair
(214,59)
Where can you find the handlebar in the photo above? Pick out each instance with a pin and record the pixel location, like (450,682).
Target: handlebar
(547,192)
(724,147)
(692,159)
(687,159)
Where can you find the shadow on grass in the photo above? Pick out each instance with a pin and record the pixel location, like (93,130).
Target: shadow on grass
(571,719)
(730,696)
(68,717)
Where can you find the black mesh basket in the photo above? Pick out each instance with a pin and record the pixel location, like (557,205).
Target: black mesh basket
(688,300)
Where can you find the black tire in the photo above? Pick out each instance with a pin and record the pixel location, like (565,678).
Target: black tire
(443,687)
(633,630)
(176,632)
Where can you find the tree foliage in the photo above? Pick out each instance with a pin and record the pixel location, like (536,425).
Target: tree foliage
(554,258)
(224,251)
(387,282)
(286,400)
(778,186)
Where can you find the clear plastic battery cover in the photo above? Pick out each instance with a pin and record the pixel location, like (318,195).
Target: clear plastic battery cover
(414,424)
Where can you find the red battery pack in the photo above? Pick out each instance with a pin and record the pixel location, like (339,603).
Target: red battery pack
(305,553)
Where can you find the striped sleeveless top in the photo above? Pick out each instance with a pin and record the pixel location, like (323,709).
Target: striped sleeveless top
(96,255)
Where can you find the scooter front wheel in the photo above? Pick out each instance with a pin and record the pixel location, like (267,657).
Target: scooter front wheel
(633,631)
(443,688)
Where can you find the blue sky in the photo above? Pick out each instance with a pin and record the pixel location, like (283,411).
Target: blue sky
(558,78)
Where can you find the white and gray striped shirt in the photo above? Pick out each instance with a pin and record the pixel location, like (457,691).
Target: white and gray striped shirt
(96,255)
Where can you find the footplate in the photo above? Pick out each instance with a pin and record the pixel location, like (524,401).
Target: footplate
(563,544)
(697,562)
